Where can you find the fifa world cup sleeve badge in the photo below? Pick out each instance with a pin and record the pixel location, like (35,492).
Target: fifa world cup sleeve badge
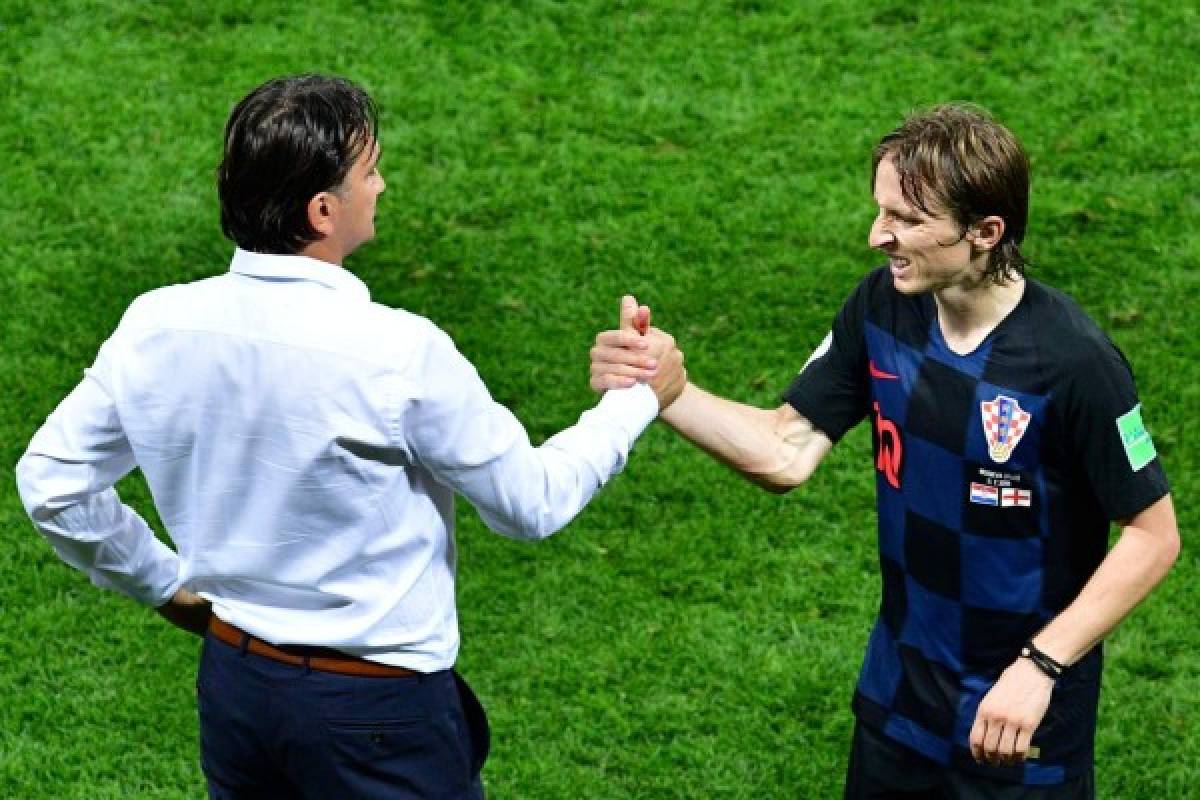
(1139,447)
(1004,423)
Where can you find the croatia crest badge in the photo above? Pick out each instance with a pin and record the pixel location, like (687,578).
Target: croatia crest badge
(1004,423)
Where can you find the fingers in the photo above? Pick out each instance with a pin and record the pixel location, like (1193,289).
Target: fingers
(633,317)
(978,730)
(641,320)
(655,343)
(619,371)
(1021,747)
(604,382)
(988,741)
(629,310)
(991,740)
(994,741)
(1006,745)
(986,734)
(670,380)
(620,356)
(659,342)
(620,367)
(630,340)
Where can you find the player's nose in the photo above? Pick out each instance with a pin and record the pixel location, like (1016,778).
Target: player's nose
(879,237)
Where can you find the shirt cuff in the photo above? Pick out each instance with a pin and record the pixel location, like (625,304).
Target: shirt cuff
(632,410)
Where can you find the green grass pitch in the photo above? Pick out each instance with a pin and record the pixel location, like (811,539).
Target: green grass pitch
(688,636)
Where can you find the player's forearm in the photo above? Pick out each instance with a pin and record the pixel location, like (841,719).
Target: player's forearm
(1137,563)
(743,437)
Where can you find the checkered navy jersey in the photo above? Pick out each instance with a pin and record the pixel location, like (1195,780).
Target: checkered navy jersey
(997,474)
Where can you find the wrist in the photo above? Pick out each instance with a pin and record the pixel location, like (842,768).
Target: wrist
(671,394)
(1048,666)
(672,411)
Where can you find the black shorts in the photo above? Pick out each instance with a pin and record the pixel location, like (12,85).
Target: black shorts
(883,769)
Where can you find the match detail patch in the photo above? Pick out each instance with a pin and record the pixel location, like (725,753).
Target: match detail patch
(1004,423)
(1139,447)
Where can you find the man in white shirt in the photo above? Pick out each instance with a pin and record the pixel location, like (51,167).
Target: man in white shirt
(303,446)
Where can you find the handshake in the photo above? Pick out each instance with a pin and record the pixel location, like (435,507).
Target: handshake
(637,352)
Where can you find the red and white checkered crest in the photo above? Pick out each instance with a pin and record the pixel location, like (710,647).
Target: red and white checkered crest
(1004,423)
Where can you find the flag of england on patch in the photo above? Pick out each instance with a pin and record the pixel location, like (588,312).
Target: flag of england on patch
(984,495)
(1015,497)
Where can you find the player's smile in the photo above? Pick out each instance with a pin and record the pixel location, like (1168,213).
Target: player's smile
(898,266)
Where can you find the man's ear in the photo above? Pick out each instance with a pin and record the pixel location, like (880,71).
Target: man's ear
(986,234)
(322,212)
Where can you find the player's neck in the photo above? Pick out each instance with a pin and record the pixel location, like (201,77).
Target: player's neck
(967,313)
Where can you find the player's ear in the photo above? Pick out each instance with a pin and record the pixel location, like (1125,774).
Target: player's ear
(986,233)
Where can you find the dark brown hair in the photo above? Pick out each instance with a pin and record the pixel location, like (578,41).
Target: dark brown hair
(958,157)
(286,141)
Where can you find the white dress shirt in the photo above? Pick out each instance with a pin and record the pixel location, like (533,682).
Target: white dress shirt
(303,446)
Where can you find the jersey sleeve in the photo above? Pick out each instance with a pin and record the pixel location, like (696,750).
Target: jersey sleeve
(1107,433)
(832,390)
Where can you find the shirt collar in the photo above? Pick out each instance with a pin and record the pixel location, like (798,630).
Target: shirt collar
(302,268)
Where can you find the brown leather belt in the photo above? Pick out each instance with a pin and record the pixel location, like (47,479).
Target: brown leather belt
(319,658)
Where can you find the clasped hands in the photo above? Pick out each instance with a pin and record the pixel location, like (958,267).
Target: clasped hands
(638,352)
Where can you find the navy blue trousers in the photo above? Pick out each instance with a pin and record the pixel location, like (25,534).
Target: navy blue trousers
(270,731)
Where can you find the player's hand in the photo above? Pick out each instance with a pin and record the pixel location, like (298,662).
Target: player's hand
(1010,713)
(670,378)
(187,611)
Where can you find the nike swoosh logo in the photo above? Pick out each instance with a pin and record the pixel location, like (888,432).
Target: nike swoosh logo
(876,372)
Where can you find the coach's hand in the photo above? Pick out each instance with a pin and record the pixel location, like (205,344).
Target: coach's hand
(637,352)
(1010,713)
(187,611)
(622,357)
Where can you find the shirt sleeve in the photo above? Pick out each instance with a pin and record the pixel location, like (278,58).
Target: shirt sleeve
(65,479)
(1107,434)
(477,447)
(831,390)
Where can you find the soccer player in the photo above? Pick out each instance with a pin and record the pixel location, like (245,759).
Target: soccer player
(1007,435)
(304,445)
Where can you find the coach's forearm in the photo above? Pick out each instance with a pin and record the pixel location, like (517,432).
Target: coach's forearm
(90,528)
(1145,551)
(528,492)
